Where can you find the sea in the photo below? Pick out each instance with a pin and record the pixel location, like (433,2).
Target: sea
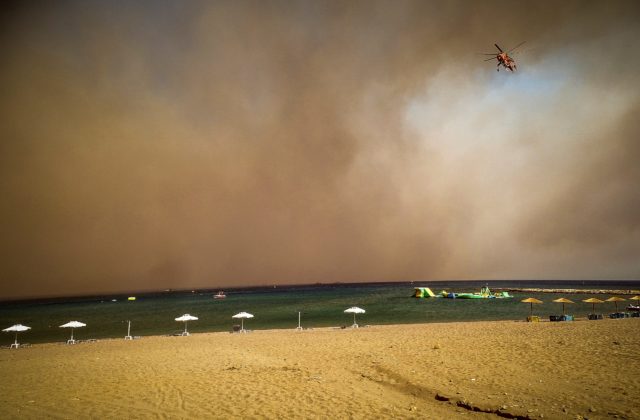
(283,307)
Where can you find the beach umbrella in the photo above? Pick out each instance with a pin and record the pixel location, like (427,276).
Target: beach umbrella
(242,316)
(593,302)
(354,310)
(186,318)
(616,299)
(563,301)
(531,301)
(16,328)
(73,325)
(636,298)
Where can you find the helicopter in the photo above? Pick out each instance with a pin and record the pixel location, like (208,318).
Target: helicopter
(503,58)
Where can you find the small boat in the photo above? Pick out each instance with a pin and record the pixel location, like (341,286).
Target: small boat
(633,308)
(219,295)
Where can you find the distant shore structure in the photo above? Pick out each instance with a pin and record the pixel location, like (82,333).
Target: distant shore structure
(575,291)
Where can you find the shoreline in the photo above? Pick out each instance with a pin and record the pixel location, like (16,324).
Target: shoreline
(542,319)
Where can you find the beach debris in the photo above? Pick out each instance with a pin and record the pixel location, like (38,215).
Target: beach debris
(436,346)
(442,397)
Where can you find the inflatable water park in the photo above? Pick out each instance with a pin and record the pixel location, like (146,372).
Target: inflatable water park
(485,293)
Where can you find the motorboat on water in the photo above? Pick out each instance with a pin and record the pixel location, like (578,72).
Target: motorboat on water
(219,295)
(633,308)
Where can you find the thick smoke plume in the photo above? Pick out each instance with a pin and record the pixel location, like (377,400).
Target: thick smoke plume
(151,145)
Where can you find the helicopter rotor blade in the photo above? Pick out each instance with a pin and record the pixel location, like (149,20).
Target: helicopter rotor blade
(516,46)
(499,49)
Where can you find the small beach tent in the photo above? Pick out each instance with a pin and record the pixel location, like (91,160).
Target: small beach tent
(16,328)
(423,292)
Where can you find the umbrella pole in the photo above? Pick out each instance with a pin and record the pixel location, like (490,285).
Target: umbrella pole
(16,339)
(242,324)
(531,311)
(72,335)
(185,328)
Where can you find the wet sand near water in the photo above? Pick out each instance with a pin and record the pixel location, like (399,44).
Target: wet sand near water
(455,370)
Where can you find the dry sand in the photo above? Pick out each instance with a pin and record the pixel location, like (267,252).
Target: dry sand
(539,370)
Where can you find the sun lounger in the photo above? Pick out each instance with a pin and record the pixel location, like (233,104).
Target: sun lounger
(594,316)
(533,318)
(566,318)
(618,315)
(555,318)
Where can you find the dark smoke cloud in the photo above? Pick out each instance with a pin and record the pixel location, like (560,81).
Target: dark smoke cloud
(151,145)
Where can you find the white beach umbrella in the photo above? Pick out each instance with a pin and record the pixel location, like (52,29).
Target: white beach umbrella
(186,318)
(72,325)
(16,328)
(242,316)
(354,310)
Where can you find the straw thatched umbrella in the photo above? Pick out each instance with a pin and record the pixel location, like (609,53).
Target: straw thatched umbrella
(531,301)
(593,301)
(616,299)
(563,301)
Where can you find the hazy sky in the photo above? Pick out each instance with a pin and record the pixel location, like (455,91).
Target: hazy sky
(182,144)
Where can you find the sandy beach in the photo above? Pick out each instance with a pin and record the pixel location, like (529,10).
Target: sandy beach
(456,370)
